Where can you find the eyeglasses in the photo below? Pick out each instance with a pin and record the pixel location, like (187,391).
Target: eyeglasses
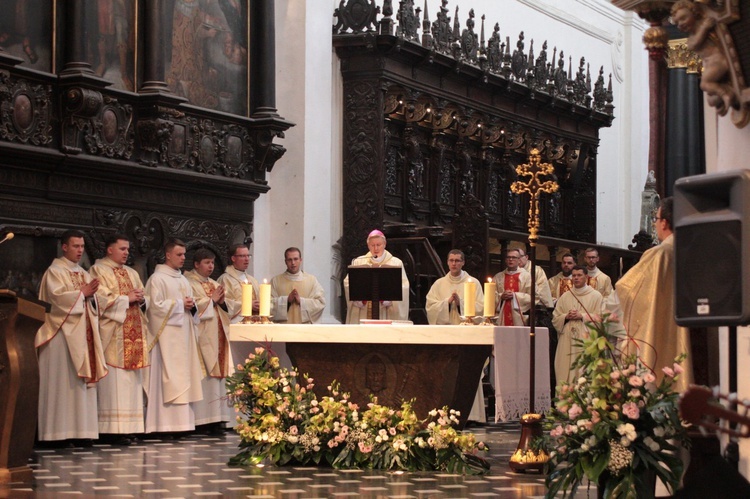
(511,258)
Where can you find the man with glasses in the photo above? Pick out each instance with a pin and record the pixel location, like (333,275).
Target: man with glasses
(597,279)
(646,298)
(513,291)
(234,277)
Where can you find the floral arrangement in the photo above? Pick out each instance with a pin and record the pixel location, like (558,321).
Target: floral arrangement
(615,425)
(280,420)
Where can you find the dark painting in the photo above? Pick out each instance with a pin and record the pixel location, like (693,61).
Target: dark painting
(110,41)
(207,53)
(26,31)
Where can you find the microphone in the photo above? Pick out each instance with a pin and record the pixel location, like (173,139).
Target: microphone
(8,237)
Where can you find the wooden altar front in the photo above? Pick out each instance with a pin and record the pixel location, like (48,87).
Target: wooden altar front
(436,365)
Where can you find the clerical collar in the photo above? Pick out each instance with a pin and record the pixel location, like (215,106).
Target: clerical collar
(456,279)
(108,261)
(512,272)
(293,277)
(580,291)
(70,263)
(592,273)
(166,269)
(378,259)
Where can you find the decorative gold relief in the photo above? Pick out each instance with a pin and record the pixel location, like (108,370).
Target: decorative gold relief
(680,56)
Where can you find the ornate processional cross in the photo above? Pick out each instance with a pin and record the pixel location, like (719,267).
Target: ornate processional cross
(534,186)
(526,457)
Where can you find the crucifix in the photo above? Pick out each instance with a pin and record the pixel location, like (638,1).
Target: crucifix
(526,458)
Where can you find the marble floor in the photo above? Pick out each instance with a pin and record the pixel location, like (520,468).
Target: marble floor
(196,466)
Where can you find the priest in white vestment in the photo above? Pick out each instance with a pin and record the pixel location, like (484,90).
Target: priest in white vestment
(378,257)
(446,303)
(71,362)
(573,311)
(123,328)
(597,279)
(562,282)
(513,291)
(234,277)
(174,379)
(296,297)
(541,286)
(213,342)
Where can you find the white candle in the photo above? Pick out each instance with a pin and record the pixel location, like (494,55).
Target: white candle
(265,299)
(470,301)
(490,289)
(247,300)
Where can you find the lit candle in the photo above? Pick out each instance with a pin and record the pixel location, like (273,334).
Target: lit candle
(470,299)
(265,299)
(490,288)
(247,300)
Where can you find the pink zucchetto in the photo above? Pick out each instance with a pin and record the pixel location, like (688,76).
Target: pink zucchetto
(375,233)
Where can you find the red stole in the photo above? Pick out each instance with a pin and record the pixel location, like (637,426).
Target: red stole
(132,328)
(511,283)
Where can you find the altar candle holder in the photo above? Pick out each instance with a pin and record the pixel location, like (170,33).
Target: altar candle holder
(466,320)
(489,320)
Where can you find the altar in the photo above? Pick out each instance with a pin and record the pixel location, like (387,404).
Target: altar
(436,365)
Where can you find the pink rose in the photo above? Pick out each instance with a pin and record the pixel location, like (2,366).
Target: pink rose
(678,368)
(556,431)
(595,417)
(630,409)
(575,411)
(635,380)
(634,393)
(649,377)
(668,371)
(614,375)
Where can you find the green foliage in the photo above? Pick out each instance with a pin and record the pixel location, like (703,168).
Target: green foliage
(281,421)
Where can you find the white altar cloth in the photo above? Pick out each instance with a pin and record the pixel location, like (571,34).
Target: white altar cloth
(512,372)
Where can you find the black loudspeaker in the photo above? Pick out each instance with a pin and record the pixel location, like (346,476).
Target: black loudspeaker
(711,223)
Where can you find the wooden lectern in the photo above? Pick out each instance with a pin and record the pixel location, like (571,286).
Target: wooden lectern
(19,384)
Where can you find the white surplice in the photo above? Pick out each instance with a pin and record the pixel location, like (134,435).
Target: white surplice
(174,379)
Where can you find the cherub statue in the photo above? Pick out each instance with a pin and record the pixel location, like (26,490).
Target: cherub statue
(703,39)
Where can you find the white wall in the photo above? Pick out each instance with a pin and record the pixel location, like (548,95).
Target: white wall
(303,207)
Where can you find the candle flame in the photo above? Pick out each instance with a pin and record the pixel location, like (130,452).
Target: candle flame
(489,279)
(265,281)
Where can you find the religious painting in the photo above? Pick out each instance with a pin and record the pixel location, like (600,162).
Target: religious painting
(110,44)
(207,56)
(26,31)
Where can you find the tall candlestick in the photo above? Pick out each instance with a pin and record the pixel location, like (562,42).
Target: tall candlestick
(265,299)
(247,300)
(490,289)
(470,299)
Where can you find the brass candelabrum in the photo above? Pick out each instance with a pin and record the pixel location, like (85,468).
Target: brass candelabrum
(526,458)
